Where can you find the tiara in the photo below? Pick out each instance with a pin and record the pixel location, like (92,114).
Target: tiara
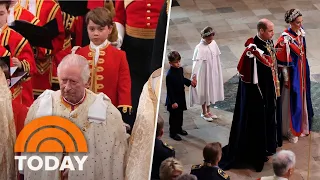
(207,33)
(294,15)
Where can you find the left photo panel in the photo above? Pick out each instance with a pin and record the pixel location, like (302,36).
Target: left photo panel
(79,88)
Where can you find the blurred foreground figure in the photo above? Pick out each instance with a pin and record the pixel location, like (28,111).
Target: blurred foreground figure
(7,130)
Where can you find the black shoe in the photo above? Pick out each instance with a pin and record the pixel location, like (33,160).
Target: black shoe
(176,137)
(183,133)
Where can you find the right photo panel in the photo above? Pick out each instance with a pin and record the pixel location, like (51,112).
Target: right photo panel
(240,91)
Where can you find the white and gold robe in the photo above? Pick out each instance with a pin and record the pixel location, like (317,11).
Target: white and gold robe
(141,144)
(8,133)
(106,141)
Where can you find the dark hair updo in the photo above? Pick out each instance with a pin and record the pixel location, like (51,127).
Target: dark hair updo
(291,15)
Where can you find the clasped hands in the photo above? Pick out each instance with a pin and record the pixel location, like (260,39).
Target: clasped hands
(194,81)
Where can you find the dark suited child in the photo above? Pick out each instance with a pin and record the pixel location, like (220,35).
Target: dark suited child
(161,152)
(176,100)
(209,170)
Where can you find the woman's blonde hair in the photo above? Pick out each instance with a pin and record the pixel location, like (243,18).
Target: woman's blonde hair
(168,166)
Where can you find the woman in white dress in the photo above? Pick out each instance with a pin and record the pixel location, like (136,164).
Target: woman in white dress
(208,73)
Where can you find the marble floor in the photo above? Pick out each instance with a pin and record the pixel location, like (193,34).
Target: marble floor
(234,21)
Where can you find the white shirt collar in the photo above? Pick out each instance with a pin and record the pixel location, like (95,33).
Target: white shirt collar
(74,104)
(97,49)
(267,42)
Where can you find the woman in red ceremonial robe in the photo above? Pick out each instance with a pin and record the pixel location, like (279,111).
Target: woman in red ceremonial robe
(297,111)
(109,67)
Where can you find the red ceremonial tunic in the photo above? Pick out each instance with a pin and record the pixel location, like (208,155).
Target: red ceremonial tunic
(47,10)
(21,13)
(110,75)
(140,18)
(21,49)
(71,25)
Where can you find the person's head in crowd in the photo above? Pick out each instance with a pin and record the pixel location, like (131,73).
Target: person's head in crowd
(284,163)
(4,12)
(187,177)
(160,125)
(212,153)
(170,169)
(73,76)
(294,18)
(99,25)
(207,34)
(265,29)
(174,59)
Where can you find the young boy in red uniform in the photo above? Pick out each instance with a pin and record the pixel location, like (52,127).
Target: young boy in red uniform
(109,67)
(21,52)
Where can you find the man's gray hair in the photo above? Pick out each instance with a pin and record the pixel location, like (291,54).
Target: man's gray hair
(187,177)
(76,60)
(283,161)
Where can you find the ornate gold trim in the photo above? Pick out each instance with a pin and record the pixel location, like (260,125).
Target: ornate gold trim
(100,61)
(125,108)
(100,86)
(100,77)
(99,69)
(140,32)
(38,91)
(16,91)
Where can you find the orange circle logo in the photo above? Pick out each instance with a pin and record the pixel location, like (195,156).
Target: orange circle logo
(51,134)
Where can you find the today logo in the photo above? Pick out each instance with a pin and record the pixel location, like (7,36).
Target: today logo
(50,134)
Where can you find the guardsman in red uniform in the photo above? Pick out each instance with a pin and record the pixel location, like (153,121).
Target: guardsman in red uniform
(109,67)
(138,19)
(21,53)
(45,11)
(72,25)
(17,12)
